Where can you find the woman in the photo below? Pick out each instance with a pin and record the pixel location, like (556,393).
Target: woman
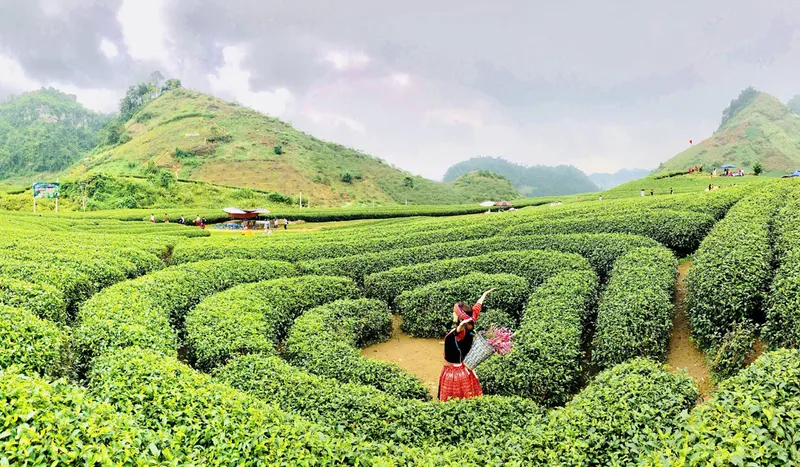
(456,380)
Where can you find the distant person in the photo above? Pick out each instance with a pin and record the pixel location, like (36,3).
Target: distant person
(182,221)
(709,187)
(670,190)
(166,218)
(641,193)
(601,197)
(153,218)
(203,223)
(197,221)
(651,192)
(285,224)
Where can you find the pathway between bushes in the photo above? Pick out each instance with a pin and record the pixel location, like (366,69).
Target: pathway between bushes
(420,357)
(682,353)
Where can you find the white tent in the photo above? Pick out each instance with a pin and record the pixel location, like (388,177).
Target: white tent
(487,203)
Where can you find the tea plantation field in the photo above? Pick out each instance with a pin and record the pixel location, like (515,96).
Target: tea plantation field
(129,343)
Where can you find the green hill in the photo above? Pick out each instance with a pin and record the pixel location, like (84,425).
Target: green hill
(483,185)
(45,131)
(200,137)
(538,180)
(756,127)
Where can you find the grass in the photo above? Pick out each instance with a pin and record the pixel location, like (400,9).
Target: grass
(689,183)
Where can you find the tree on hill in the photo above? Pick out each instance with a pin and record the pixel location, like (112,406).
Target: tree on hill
(746,97)
(794,104)
(140,94)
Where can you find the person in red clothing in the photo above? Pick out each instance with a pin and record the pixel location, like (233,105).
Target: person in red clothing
(456,380)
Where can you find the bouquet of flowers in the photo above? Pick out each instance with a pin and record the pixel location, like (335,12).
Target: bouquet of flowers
(499,339)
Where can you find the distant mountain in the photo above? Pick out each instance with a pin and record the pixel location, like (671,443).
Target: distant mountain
(756,127)
(200,137)
(483,185)
(607,181)
(45,131)
(531,181)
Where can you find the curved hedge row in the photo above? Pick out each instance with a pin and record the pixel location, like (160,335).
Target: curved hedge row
(677,230)
(366,411)
(782,327)
(545,363)
(535,266)
(325,341)
(601,250)
(41,299)
(254,318)
(753,419)
(148,310)
(634,318)
(731,270)
(611,422)
(428,311)
(34,345)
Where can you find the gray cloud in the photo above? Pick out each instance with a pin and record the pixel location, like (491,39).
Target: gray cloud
(425,84)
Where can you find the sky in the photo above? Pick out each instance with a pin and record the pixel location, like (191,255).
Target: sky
(426,84)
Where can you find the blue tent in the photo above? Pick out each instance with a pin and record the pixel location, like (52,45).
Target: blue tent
(796,173)
(728,166)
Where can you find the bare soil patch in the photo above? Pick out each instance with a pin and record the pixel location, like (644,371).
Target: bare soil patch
(420,357)
(682,353)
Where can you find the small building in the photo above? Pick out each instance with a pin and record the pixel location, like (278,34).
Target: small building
(248,214)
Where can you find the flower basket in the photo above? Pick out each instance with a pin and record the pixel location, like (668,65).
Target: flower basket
(480,351)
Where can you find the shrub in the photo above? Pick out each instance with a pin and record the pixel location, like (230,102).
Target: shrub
(428,311)
(679,231)
(373,414)
(545,362)
(147,311)
(758,168)
(58,424)
(634,317)
(324,341)
(751,420)
(278,150)
(782,326)
(731,270)
(42,300)
(254,318)
(736,347)
(34,345)
(347,178)
(534,266)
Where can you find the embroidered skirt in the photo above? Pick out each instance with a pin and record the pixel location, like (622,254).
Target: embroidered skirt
(458,382)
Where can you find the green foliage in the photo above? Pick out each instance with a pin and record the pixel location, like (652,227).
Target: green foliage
(736,347)
(545,362)
(634,317)
(535,180)
(746,97)
(794,103)
(373,414)
(324,341)
(170,85)
(254,318)
(34,345)
(428,311)
(45,131)
(146,312)
(278,149)
(482,185)
(751,420)
(535,266)
(732,269)
(757,168)
(347,178)
(43,300)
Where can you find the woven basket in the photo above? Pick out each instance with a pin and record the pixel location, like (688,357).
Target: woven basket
(480,351)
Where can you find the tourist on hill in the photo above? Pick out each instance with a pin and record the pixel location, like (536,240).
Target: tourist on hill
(651,192)
(182,221)
(641,193)
(197,221)
(203,223)
(152,218)
(456,380)
(166,218)
(285,224)
(670,190)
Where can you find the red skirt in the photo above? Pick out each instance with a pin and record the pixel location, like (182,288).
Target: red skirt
(458,382)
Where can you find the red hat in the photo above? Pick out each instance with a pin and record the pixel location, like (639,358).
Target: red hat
(462,315)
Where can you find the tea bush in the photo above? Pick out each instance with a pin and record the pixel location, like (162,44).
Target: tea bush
(634,318)
(428,311)
(42,300)
(782,326)
(325,341)
(534,266)
(545,362)
(752,419)
(34,345)
(254,318)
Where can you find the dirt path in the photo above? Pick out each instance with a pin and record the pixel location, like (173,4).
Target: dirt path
(683,353)
(420,357)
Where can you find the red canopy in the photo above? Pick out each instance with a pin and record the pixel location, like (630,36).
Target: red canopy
(502,203)
(237,213)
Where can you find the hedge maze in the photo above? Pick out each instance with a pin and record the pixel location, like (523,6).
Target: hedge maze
(125,343)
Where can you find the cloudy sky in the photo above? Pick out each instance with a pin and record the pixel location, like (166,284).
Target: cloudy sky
(425,84)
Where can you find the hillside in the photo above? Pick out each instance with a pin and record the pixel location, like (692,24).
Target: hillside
(757,127)
(482,185)
(605,181)
(200,137)
(537,180)
(45,131)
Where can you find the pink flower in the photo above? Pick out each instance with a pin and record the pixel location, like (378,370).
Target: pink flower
(499,339)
